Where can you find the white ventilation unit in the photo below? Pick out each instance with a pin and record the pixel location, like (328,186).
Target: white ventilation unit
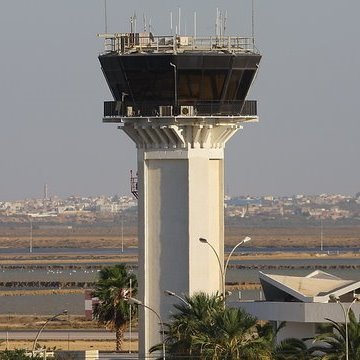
(184,40)
(165,110)
(129,111)
(187,110)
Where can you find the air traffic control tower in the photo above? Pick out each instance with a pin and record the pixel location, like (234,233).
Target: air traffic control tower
(180,99)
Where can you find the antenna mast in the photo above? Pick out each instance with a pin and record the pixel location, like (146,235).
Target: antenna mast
(194,24)
(253,20)
(171,22)
(105,14)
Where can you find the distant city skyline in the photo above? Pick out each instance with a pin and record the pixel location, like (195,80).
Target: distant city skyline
(52,91)
(128,194)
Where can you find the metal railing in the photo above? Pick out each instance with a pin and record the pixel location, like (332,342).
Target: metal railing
(125,43)
(118,109)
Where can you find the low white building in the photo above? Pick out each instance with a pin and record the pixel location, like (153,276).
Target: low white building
(303,302)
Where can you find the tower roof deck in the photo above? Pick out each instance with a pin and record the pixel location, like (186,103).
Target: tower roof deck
(146,42)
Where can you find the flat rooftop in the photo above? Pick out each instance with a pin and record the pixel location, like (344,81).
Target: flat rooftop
(315,287)
(146,42)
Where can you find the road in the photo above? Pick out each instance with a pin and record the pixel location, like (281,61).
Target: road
(64,335)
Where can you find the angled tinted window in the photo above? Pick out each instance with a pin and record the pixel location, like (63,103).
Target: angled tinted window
(212,84)
(189,83)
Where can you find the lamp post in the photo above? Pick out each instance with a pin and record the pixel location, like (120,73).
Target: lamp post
(64,312)
(223,268)
(31,235)
(346,316)
(134,301)
(171,293)
(175,84)
(130,322)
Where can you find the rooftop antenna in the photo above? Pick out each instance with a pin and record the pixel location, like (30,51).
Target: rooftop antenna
(105,14)
(220,22)
(171,22)
(133,23)
(216,21)
(194,24)
(253,20)
(224,22)
(179,20)
(144,21)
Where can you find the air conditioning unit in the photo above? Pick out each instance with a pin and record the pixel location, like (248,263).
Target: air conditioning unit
(166,110)
(129,111)
(187,110)
(184,40)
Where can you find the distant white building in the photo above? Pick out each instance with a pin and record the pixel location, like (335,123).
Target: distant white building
(303,302)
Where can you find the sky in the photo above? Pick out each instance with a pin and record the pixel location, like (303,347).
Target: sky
(52,92)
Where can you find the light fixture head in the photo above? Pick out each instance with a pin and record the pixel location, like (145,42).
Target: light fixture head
(203,240)
(247,238)
(170,293)
(334,298)
(133,301)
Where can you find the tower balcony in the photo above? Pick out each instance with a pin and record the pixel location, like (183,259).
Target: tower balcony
(114,111)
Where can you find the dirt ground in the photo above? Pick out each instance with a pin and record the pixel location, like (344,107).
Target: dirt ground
(68,345)
(103,237)
(30,322)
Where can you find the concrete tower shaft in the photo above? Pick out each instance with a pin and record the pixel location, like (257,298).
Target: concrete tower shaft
(181,176)
(180,99)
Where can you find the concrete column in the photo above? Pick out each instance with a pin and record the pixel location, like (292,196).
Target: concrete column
(181,194)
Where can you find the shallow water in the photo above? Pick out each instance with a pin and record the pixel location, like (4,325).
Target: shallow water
(74,303)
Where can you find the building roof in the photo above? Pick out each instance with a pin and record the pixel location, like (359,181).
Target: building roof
(318,286)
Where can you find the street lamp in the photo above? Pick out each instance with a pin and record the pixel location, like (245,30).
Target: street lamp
(64,312)
(175,83)
(171,293)
(133,301)
(223,268)
(31,235)
(346,316)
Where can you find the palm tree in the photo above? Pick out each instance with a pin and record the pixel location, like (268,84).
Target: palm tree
(113,310)
(293,349)
(268,331)
(18,354)
(203,329)
(333,342)
(186,321)
(231,334)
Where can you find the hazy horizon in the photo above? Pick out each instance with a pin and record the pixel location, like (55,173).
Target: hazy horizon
(41,196)
(52,92)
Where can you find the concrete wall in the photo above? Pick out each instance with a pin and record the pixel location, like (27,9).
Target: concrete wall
(296,311)
(296,330)
(301,318)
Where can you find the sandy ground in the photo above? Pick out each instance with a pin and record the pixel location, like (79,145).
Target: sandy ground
(29,322)
(91,237)
(66,259)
